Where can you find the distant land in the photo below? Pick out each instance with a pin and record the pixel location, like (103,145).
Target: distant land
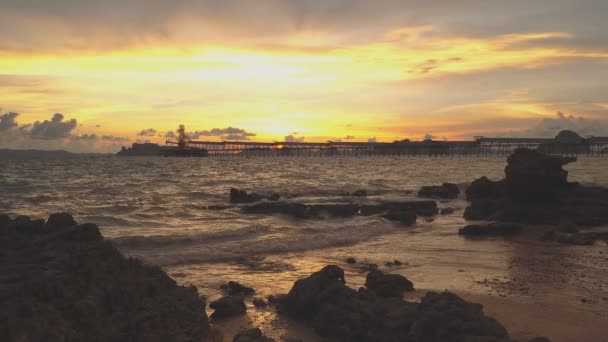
(42,154)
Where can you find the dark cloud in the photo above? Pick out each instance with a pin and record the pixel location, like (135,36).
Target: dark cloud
(56,128)
(73,24)
(8,121)
(150,132)
(229,133)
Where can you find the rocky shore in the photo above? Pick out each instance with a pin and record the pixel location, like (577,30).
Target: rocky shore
(60,281)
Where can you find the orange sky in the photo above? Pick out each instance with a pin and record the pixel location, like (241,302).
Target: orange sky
(389,79)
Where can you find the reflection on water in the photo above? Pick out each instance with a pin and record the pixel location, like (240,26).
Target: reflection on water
(158,209)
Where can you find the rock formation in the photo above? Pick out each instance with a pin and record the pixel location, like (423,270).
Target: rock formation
(445,191)
(342,314)
(536,190)
(491,229)
(61,281)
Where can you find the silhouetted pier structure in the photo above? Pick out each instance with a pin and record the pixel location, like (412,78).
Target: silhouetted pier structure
(480,147)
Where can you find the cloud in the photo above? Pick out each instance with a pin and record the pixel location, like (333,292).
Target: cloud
(150,132)
(54,134)
(170,135)
(429,136)
(8,121)
(550,127)
(372,140)
(293,139)
(56,128)
(228,133)
(349,137)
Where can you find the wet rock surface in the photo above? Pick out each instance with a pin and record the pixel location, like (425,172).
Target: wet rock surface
(387,285)
(339,313)
(62,282)
(491,229)
(316,211)
(242,196)
(446,191)
(228,306)
(536,191)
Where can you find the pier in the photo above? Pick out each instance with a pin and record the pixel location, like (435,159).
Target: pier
(481,146)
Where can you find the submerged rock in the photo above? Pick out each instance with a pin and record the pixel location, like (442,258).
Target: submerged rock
(492,229)
(387,285)
(63,282)
(339,313)
(446,191)
(242,196)
(535,190)
(228,306)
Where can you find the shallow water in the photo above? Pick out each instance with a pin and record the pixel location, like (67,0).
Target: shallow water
(157,209)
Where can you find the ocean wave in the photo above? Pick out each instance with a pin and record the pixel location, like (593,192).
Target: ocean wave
(286,240)
(155,241)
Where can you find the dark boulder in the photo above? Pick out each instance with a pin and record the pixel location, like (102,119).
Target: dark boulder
(307,295)
(446,191)
(251,335)
(60,221)
(447,317)
(228,306)
(484,188)
(404,217)
(491,229)
(387,285)
(233,288)
(351,261)
(242,196)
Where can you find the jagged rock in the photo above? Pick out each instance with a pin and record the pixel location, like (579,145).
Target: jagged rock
(492,229)
(251,335)
(535,190)
(533,175)
(446,190)
(233,288)
(228,306)
(351,261)
(387,285)
(305,298)
(447,317)
(405,217)
(342,314)
(69,284)
(242,196)
(311,211)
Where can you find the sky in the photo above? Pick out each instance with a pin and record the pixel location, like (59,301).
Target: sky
(93,75)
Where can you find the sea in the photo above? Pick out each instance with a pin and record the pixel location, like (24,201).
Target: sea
(175,213)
